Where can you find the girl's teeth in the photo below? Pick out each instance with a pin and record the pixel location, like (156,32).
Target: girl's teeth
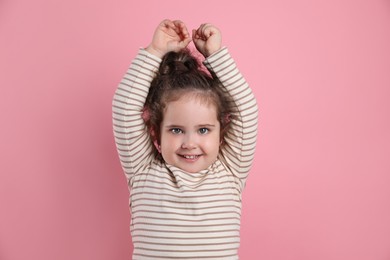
(190,156)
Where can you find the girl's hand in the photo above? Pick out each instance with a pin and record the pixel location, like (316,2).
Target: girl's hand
(207,39)
(169,36)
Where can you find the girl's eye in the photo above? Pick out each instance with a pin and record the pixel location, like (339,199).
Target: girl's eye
(203,131)
(176,131)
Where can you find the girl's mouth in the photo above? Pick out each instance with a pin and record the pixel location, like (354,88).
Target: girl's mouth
(189,157)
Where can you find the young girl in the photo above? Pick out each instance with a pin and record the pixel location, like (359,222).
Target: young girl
(186,141)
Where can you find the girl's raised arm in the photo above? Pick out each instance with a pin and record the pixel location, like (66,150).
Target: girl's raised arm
(240,140)
(131,135)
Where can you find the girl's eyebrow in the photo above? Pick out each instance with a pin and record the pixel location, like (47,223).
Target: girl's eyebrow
(173,126)
(180,126)
(206,125)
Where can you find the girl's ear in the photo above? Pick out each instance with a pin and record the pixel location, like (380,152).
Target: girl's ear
(146,117)
(227,118)
(155,140)
(158,147)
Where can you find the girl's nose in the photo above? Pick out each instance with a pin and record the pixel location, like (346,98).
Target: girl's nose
(188,142)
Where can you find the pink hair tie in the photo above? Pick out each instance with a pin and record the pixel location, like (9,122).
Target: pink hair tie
(145,114)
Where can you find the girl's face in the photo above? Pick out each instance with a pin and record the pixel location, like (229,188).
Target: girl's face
(190,134)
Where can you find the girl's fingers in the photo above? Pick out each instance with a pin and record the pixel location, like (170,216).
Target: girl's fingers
(194,35)
(181,29)
(208,30)
(205,30)
(178,25)
(167,23)
(199,31)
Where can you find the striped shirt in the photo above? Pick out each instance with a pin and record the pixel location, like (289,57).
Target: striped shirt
(176,214)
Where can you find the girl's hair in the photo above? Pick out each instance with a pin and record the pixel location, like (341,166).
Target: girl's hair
(179,74)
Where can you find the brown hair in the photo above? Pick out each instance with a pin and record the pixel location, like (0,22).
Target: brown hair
(179,74)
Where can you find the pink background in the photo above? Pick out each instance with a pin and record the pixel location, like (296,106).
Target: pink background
(320,185)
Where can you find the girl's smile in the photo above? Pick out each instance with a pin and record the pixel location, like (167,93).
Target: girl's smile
(190,133)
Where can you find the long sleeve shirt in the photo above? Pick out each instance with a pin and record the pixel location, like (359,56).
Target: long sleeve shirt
(176,214)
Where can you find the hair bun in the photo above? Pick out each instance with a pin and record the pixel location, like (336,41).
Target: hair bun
(178,63)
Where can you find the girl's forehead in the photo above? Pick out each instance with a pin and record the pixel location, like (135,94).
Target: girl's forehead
(190,112)
(202,97)
(190,106)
